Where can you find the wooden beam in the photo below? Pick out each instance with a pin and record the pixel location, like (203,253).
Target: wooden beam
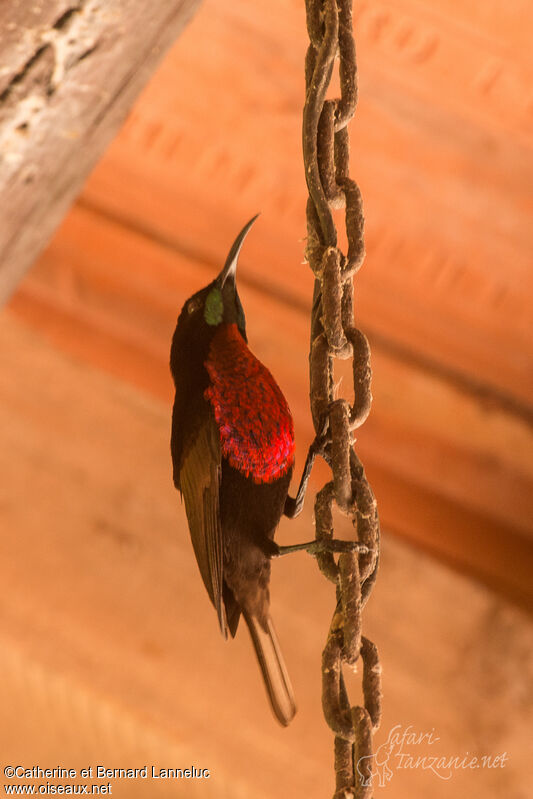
(441,149)
(71,70)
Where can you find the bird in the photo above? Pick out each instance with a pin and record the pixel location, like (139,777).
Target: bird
(233,452)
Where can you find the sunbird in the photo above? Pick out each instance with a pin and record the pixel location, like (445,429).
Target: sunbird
(233,450)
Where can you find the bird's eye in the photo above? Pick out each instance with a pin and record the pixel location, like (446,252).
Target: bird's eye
(193,305)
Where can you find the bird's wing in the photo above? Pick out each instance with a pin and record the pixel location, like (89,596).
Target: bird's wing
(199,475)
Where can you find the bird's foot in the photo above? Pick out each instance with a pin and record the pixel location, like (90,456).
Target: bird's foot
(294,505)
(324,545)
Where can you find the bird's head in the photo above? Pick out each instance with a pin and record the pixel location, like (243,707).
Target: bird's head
(219,302)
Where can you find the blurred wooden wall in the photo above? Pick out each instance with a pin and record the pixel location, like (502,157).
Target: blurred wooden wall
(110,652)
(109,649)
(441,146)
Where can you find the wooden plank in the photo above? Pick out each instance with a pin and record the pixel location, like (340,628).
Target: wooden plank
(452,472)
(105,626)
(441,148)
(70,72)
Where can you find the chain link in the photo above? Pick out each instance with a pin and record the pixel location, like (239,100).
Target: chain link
(333,335)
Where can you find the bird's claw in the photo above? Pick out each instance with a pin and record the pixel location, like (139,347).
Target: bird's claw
(318,547)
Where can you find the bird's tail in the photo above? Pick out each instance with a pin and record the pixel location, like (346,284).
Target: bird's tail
(275,675)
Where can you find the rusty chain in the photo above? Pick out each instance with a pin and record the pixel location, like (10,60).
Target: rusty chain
(333,335)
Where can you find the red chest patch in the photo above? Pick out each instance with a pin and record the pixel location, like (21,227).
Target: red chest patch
(255,422)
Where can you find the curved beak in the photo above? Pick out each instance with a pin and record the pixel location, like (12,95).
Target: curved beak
(230,267)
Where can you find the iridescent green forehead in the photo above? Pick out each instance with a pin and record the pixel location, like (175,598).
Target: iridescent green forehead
(214,307)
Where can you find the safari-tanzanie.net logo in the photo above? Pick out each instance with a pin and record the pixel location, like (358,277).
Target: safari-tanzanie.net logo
(406,748)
